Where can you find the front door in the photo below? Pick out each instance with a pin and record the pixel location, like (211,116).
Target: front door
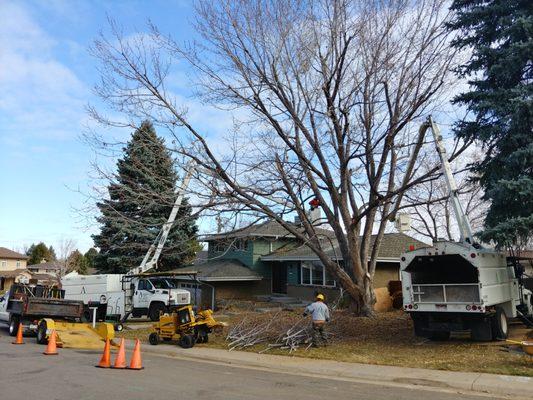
(279,278)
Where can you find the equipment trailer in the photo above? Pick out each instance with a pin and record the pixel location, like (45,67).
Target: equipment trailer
(457,286)
(42,309)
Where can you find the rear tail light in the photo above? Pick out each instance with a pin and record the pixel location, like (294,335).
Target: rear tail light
(410,306)
(468,307)
(474,307)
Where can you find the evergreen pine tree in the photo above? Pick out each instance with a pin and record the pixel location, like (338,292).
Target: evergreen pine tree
(500,35)
(89,256)
(140,202)
(77,262)
(39,252)
(52,252)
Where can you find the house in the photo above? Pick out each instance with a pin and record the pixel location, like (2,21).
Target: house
(266,259)
(52,268)
(12,268)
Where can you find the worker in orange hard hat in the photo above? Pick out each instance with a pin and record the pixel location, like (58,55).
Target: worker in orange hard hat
(320,315)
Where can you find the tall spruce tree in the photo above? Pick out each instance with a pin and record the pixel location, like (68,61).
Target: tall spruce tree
(39,252)
(500,36)
(140,201)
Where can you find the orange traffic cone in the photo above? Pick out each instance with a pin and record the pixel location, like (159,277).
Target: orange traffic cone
(51,349)
(120,360)
(19,339)
(136,362)
(105,361)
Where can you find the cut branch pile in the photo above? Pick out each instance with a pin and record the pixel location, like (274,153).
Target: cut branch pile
(290,331)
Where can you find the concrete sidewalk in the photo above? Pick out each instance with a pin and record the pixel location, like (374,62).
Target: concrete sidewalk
(501,385)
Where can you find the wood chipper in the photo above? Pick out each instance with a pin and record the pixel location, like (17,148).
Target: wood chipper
(185,326)
(41,309)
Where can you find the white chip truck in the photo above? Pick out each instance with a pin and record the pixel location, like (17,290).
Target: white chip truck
(461,286)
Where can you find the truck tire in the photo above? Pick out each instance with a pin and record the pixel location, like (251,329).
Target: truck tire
(186,341)
(14,322)
(419,328)
(439,335)
(155,310)
(500,328)
(153,339)
(201,334)
(41,333)
(481,331)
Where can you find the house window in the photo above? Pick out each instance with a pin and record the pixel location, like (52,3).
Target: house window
(18,264)
(4,264)
(239,245)
(315,274)
(306,275)
(220,246)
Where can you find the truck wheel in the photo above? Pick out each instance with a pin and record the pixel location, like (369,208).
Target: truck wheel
(419,328)
(155,310)
(201,335)
(500,328)
(439,335)
(186,341)
(481,331)
(41,333)
(153,338)
(14,325)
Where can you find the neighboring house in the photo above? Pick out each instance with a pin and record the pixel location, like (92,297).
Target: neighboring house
(52,268)
(266,258)
(12,268)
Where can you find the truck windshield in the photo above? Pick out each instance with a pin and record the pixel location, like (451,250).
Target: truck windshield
(161,283)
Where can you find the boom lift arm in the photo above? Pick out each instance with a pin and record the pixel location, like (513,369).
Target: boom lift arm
(154,252)
(465,228)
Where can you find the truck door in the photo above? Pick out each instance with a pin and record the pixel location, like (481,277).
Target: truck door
(4,315)
(142,294)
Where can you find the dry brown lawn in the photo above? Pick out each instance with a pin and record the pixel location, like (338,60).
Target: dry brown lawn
(388,339)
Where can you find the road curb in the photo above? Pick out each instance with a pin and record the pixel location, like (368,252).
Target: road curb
(503,385)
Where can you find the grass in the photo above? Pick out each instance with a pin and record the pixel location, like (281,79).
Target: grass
(388,339)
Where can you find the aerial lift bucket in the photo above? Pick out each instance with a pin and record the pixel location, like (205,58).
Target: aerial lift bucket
(80,335)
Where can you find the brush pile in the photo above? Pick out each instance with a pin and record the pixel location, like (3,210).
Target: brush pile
(280,329)
(290,331)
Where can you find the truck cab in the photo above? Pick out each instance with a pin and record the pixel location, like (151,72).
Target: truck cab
(152,296)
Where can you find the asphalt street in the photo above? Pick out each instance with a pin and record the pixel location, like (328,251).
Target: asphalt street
(25,373)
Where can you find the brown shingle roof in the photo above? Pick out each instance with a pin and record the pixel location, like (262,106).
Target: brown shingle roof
(269,228)
(223,270)
(43,277)
(14,273)
(6,253)
(46,265)
(392,246)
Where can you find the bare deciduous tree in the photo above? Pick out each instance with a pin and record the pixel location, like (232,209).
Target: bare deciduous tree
(433,216)
(65,247)
(329,97)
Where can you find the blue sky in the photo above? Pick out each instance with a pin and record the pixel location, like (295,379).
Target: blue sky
(46,80)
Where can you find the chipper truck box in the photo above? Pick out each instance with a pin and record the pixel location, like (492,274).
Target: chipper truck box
(460,286)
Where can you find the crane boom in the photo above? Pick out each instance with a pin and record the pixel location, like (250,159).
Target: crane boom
(465,229)
(154,252)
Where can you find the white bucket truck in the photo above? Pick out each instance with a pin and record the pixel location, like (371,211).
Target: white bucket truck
(149,295)
(134,293)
